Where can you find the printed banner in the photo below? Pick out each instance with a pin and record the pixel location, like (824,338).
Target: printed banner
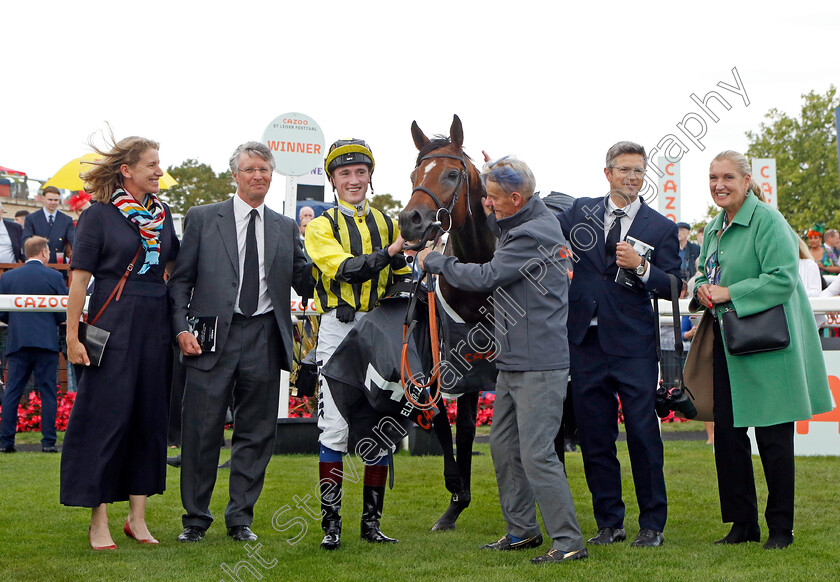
(670,190)
(764,172)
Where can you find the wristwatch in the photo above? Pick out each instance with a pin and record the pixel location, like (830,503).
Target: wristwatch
(640,270)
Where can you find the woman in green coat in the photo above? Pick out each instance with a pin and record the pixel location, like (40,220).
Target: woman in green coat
(749,263)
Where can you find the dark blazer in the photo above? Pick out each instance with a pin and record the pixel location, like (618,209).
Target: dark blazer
(37,329)
(625,317)
(62,232)
(205,280)
(692,251)
(16,235)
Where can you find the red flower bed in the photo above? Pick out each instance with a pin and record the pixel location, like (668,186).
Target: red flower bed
(301,407)
(485,409)
(29,412)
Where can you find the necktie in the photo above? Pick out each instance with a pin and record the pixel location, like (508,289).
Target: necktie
(614,234)
(249,293)
(51,220)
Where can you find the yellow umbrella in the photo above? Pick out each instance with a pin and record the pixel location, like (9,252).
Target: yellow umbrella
(68,176)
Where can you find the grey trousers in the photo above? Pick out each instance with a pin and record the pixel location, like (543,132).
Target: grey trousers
(249,371)
(526,418)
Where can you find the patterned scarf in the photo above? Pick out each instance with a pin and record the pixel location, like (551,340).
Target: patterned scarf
(149,217)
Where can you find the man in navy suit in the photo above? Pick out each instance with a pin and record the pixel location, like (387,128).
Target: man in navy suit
(612,340)
(31,344)
(51,223)
(11,244)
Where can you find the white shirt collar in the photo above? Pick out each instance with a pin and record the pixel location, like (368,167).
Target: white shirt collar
(630,210)
(242,209)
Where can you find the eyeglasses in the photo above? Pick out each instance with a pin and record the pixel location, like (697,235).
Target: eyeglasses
(252,171)
(624,170)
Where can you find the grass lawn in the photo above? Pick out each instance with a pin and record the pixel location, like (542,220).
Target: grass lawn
(43,540)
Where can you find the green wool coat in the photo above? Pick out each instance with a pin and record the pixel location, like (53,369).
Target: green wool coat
(759,259)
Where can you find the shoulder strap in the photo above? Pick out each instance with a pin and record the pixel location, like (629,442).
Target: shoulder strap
(334,223)
(675,311)
(678,337)
(119,287)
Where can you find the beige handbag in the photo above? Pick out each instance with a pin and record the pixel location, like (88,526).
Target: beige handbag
(698,371)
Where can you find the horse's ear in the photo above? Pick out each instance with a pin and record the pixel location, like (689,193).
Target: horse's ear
(420,138)
(456,132)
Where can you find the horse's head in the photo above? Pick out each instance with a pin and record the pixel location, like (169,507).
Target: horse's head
(442,182)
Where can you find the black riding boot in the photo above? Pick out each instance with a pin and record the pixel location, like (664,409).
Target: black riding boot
(373,498)
(331,524)
(331,506)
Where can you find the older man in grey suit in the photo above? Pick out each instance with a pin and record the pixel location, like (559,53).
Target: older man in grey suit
(238,261)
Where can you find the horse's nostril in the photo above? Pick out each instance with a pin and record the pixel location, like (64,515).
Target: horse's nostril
(416,218)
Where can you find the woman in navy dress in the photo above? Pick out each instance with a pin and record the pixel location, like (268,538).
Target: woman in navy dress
(115,445)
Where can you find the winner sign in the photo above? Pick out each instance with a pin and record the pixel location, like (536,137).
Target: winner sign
(297,143)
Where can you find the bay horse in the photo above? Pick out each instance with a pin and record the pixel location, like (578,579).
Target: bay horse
(447,189)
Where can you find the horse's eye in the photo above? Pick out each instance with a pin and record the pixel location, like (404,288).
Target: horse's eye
(453,175)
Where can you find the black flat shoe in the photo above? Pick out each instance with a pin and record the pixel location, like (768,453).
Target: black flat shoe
(506,544)
(779,539)
(9,449)
(174,461)
(242,533)
(192,533)
(742,533)
(50,449)
(648,538)
(608,535)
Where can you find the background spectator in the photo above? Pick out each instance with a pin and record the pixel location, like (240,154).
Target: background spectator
(11,241)
(826,261)
(809,272)
(51,224)
(689,252)
(832,242)
(31,344)
(20,217)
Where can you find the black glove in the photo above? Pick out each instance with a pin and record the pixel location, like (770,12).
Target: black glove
(345,313)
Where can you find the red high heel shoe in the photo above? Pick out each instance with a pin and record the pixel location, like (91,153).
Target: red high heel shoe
(92,547)
(129,533)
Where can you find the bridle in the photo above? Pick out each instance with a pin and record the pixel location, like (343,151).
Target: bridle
(463,183)
(434,230)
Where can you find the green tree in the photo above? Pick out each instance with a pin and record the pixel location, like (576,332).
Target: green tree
(197,184)
(387,204)
(805,149)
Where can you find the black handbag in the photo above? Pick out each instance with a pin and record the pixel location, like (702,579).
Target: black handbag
(95,338)
(766,331)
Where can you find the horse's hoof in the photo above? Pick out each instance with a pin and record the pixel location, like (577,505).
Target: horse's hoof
(441,525)
(450,516)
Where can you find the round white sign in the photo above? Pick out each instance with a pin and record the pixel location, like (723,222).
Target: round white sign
(297,143)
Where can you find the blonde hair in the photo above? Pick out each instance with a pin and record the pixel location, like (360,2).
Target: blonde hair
(743,165)
(105,177)
(804,251)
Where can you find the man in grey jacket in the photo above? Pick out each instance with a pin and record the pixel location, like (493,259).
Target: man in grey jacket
(529,278)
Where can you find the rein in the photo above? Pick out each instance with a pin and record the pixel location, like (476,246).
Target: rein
(408,326)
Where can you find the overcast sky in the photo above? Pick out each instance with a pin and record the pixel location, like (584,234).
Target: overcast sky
(554,83)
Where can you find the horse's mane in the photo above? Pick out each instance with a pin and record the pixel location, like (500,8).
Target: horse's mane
(438,142)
